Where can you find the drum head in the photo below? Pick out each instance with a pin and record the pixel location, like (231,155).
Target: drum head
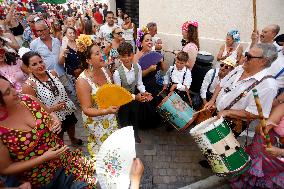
(206,126)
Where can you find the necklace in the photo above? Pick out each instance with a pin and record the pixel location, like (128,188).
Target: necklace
(50,85)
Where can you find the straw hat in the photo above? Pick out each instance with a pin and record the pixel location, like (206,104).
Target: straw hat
(230,61)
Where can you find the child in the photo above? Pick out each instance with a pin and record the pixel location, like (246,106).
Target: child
(178,77)
(129,76)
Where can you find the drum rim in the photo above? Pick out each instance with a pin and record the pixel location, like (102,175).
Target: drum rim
(195,132)
(165,99)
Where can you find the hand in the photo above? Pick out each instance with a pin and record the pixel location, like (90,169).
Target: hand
(55,152)
(77,72)
(25,185)
(224,113)
(65,53)
(152,68)
(255,37)
(148,96)
(136,172)
(259,129)
(59,106)
(209,105)
(112,110)
(139,97)
(173,87)
(165,87)
(55,124)
(274,151)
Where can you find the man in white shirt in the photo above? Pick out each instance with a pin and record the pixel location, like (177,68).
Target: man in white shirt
(153,30)
(213,78)
(233,96)
(49,49)
(107,28)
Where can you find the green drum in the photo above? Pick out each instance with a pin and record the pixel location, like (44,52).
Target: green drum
(218,144)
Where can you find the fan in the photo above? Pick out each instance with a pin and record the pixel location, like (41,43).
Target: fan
(112,95)
(149,59)
(115,158)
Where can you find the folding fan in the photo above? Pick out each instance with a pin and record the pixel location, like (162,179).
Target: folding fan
(149,59)
(112,95)
(115,158)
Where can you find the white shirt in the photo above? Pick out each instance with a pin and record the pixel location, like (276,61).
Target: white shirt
(276,67)
(119,21)
(105,30)
(50,58)
(267,91)
(177,77)
(130,77)
(207,80)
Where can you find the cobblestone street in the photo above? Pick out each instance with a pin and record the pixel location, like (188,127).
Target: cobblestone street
(170,158)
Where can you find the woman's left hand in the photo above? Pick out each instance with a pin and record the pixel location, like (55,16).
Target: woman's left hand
(56,124)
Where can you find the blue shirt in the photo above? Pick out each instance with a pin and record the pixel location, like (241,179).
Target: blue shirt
(50,58)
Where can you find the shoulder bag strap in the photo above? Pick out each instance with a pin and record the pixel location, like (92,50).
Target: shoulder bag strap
(238,98)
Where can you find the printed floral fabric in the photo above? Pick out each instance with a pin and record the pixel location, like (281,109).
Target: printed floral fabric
(100,127)
(26,145)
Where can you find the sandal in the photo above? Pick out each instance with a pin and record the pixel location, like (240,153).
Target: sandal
(77,142)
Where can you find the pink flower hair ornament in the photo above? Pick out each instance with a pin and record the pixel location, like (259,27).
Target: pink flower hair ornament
(185,25)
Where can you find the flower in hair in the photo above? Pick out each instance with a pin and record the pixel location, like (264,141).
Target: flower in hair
(140,33)
(185,25)
(83,42)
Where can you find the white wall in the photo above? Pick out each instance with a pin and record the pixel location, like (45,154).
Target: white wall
(215,17)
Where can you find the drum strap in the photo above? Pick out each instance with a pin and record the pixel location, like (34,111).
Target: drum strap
(238,98)
(183,78)
(212,79)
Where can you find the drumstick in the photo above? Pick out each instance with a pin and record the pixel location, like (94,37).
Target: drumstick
(160,92)
(202,110)
(261,118)
(254,16)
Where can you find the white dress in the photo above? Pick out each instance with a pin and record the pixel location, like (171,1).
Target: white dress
(100,127)
(47,97)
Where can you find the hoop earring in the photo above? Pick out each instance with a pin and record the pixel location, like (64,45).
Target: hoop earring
(91,67)
(3,114)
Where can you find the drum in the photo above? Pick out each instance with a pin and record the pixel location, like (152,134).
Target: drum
(218,144)
(176,111)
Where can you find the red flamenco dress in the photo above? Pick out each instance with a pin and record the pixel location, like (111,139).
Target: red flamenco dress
(25,145)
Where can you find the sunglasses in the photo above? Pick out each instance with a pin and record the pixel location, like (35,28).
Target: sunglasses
(225,66)
(126,17)
(249,56)
(119,33)
(32,21)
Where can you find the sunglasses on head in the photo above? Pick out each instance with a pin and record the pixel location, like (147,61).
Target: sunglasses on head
(119,33)
(225,66)
(249,56)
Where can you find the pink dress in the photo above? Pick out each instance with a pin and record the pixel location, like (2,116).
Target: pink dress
(265,172)
(14,74)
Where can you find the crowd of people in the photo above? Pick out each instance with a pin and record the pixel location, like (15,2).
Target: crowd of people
(47,74)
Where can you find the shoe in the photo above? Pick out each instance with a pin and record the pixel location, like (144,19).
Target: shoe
(204,164)
(137,139)
(77,142)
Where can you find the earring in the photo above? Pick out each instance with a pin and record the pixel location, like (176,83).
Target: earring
(91,67)
(3,114)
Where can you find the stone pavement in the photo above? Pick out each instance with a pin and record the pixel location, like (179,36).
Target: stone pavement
(170,158)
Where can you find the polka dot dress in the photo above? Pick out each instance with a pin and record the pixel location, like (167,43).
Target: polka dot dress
(26,145)
(49,99)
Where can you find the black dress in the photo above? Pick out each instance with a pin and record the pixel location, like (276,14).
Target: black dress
(72,61)
(148,116)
